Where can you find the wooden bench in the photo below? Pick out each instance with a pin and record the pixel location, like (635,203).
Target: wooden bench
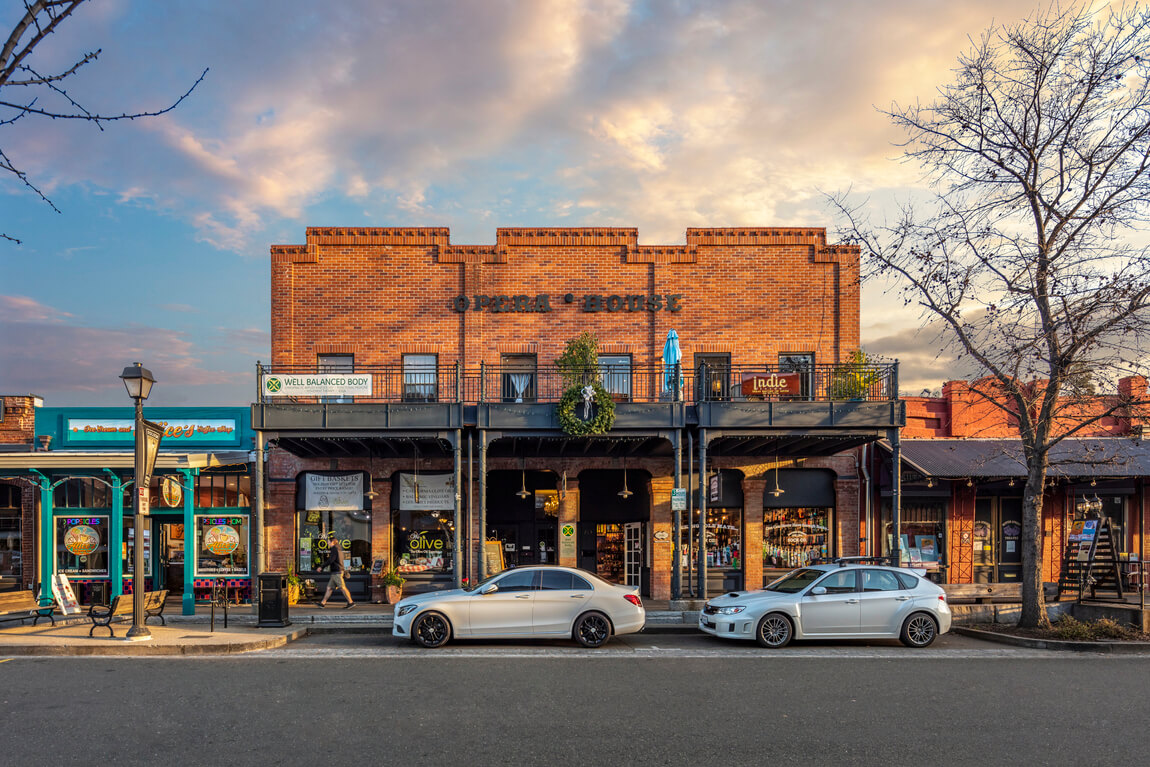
(988,593)
(21,605)
(122,607)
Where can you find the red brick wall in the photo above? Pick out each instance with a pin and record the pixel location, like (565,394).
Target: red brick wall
(18,424)
(380,293)
(964,412)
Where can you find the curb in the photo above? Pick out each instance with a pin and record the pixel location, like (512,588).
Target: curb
(1114,648)
(143,648)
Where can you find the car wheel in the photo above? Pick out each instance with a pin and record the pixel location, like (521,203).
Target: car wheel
(431,630)
(919,630)
(775,630)
(592,629)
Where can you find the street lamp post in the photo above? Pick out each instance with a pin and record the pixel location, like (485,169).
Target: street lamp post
(138,380)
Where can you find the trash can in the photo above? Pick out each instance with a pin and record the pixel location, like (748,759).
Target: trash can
(98,593)
(273,602)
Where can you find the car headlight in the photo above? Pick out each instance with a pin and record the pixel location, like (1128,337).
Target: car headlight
(731,610)
(405,609)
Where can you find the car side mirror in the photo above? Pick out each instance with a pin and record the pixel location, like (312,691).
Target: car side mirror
(818,591)
(490,589)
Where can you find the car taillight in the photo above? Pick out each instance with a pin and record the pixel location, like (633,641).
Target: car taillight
(634,599)
(942,598)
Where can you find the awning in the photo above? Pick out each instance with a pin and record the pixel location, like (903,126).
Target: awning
(56,460)
(1088,457)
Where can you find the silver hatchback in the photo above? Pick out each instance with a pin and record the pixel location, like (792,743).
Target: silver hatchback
(843,600)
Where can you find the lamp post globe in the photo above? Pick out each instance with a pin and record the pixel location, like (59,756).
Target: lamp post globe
(138,381)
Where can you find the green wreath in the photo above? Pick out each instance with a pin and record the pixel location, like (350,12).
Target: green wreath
(604,417)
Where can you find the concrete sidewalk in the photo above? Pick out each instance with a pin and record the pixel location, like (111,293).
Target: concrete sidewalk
(196,635)
(70,637)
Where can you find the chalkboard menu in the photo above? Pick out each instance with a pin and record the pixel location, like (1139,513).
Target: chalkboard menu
(493,557)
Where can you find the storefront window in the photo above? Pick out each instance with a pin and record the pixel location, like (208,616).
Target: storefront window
(422,541)
(82,493)
(795,537)
(724,538)
(922,530)
(221,545)
(10,535)
(82,546)
(213,491)
(127,562)
(609,552)
(352,529)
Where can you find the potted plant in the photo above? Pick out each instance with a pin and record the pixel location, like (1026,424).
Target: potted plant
(853,379)
(392,584)
(294,585)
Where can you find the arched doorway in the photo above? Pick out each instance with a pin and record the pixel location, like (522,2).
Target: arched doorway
(523,515)
(614,542)
(798,520)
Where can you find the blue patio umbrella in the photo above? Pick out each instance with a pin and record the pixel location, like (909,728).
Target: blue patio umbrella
(672,355)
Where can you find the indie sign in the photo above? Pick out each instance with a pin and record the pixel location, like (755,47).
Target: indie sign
(773,385)
(541,303)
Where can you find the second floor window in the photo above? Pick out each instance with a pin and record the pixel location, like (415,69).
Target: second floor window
(712,376)
(419,377)
(518,374)
(335,363)
(803,364)
(615,373)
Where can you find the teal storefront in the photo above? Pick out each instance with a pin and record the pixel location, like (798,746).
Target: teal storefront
(198,532)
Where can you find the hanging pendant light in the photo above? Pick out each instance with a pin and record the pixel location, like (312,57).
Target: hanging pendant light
(523,491)
(625,493)
(415,482)
(370,470)
(778,490)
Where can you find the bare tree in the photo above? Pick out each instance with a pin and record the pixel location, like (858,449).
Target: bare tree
(26,92)
(1030,249)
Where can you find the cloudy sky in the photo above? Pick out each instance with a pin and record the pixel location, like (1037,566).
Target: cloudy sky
(660,115)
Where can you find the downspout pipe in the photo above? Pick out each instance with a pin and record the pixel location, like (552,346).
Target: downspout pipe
(457,548)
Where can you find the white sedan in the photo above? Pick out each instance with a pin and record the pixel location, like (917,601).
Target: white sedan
(543,602)
(844,600)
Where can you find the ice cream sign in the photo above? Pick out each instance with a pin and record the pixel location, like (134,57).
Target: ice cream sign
(81,540)
(119,431)
(221,539)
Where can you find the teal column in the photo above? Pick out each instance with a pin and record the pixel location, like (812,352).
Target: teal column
(47,533)
(116,539)
(187,478)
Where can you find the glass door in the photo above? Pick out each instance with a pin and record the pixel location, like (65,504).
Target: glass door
(982,541)
(632,553)
(170,555)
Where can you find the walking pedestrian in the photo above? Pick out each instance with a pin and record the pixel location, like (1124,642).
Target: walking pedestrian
(335,564)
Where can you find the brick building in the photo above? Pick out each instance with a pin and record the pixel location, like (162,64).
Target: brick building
(17,530)
(413,394)
(963,475)
(66,500)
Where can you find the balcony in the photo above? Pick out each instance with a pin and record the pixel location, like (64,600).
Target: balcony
(818,397)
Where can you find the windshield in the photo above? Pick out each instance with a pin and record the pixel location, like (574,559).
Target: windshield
(484,582)
(795,581)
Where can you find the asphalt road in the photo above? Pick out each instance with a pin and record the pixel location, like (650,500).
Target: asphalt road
(650,700)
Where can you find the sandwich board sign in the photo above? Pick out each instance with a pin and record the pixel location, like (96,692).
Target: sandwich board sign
(63,594)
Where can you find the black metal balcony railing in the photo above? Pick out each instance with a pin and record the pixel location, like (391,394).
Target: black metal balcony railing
(647,384)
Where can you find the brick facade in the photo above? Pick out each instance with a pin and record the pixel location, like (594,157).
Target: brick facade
(382,293)
(978,410)
(18,432)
